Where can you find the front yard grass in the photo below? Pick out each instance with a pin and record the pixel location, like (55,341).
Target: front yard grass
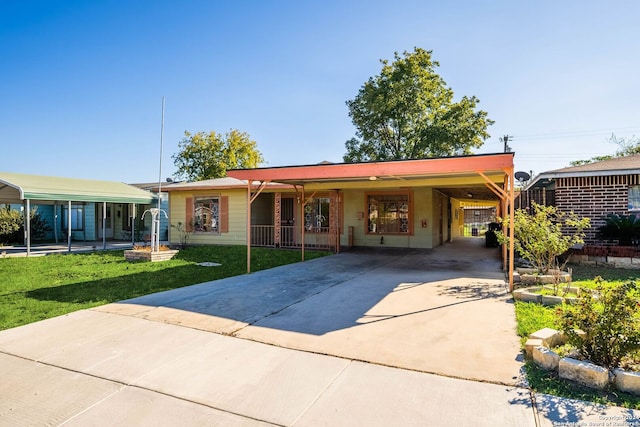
(38,288)
(531,317)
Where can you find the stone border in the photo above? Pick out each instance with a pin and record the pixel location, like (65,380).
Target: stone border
(529,276)
(529,295)
(538,348)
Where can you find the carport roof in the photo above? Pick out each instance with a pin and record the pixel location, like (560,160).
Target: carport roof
(15,187)
(401,172)
(414,169)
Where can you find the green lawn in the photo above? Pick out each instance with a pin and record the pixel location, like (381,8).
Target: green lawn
(531,317)
(38,288)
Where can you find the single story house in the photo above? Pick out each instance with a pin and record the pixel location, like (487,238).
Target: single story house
(594,190)
(403,204)
(79,209)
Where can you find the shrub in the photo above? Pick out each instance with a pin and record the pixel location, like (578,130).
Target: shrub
(623,228)
(546,234)
(38,225)
(184,232)
(12,225)
(604,329)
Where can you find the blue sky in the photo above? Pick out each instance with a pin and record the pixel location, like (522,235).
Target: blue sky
(81,82)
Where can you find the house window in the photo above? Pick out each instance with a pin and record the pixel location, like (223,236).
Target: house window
(388,213)
(634,198)
(316,215)
(206,215)
(77,217)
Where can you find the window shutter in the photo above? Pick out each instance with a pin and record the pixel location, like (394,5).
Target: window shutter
(188,215)
(224,214)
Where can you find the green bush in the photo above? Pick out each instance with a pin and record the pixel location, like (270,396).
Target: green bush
(605,328)
(623,228)
(12,225)
(545,234)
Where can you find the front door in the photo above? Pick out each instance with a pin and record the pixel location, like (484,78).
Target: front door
(107,230)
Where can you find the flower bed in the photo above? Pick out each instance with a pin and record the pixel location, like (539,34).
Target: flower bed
(581,371)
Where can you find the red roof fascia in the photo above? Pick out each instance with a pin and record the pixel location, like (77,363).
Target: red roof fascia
(489,162)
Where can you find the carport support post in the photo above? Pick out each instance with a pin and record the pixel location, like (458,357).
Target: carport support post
(302,222)
(69,225)
(511,226)
(248,226)
(132,221)
(27,226)
(104,225)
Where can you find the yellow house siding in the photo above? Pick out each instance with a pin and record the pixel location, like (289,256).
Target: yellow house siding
(237,234)
(355,212)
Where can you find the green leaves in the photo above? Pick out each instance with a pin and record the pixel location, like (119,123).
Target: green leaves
(604,329)
(623,228)
(205,156)
(545,234)
(407,112)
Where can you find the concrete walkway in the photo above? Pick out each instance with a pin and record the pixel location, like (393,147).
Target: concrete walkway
(374,338)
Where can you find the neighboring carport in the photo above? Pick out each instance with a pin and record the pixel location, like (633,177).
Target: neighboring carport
(488,174)
(24,189)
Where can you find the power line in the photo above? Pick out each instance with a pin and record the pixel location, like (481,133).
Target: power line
(567,134)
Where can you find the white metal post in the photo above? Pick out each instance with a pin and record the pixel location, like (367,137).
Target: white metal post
(27,226)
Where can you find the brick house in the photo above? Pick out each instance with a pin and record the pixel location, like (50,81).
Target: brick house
(593,190)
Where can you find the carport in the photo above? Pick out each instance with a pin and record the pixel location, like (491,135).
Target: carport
(487,176)
(24,189)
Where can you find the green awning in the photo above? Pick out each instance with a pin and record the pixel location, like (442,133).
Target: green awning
(14,188)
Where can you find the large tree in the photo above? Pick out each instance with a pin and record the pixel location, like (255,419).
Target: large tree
(408,112)
(209,155)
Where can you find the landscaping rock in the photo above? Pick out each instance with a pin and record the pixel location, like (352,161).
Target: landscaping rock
(583,372)
(550,337)
(530,345)
(626,381)
(551,300)
(546,358)
(530,297)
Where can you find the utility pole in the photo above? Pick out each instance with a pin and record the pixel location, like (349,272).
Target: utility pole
(505,140)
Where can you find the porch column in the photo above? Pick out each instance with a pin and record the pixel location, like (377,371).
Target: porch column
(27,225)
(55,221)
(132,219)
(69,226)
(334,220)
(248,226)
(104,225)
(84,221)
(302,223)
(277,219)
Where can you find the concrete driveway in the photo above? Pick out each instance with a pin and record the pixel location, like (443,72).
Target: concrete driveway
(347,340)
(444,311)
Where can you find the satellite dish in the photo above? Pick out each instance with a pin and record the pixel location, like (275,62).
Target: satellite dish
(169,179)
(522,176)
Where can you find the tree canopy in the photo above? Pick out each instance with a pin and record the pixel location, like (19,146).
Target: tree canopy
(627,147)
(408,112)
(209,155)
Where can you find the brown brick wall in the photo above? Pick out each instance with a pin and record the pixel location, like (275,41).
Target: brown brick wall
(594,197)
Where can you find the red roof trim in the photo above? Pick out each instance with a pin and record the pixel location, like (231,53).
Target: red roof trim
(484,162)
